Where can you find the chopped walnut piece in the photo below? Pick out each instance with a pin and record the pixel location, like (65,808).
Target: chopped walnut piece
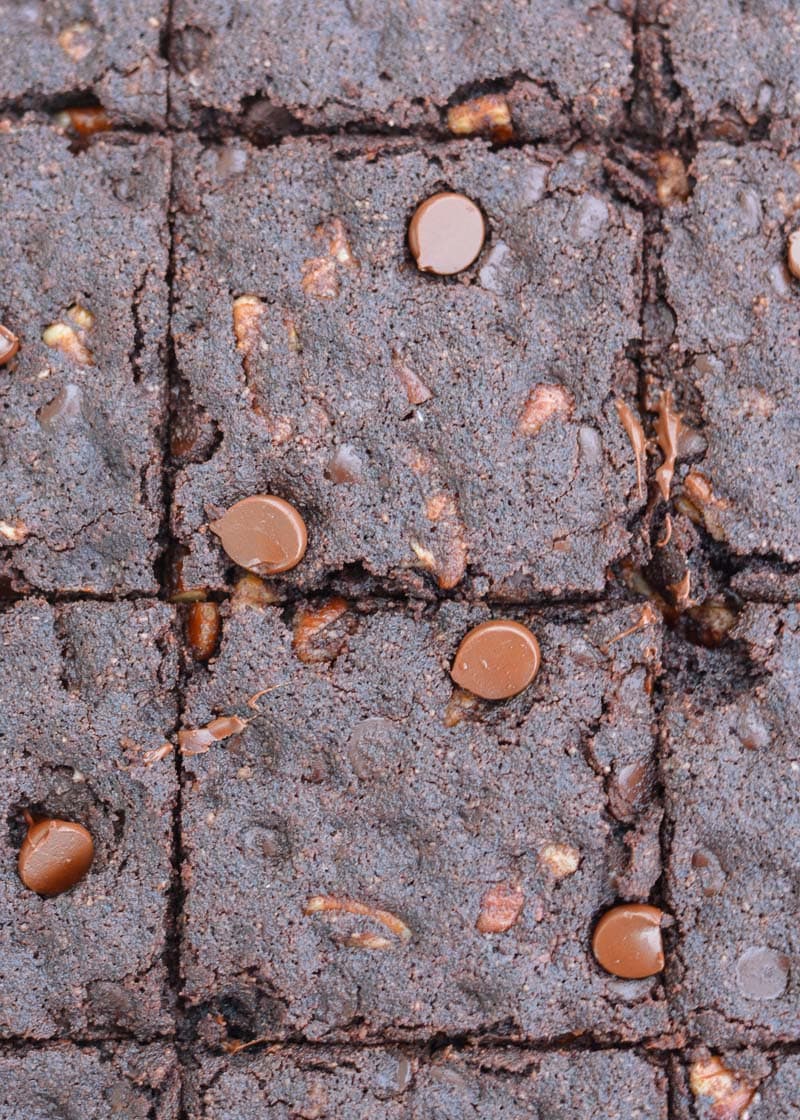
(248,312)
(70,338)
(501,906)
(635,433)
(560,860)
(730,1092)
(9,344)
(698,490)
(312,642)
(793,253)
(488,115)
(338,245)
(77,41)
(86,121)
(543,402)
(202,629)
(461,703)
(449,563)
(668,432)
(416,389)
(319,278)
(326,903)
(366,941)
(199,739)
(672,182)
(149,757)
(424,555)
(250,591)
(320,274)
(15,532)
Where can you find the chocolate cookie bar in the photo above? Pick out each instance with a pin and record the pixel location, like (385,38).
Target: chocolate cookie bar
(85,244)
(70,53)
(391,1084)
(86,689)
(373,853)
(723,69)
(736,313)
(731,777)
(93,1082)
(443,433)
(271,69)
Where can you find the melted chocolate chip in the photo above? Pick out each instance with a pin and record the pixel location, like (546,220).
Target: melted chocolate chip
(497,659)
(263,534)
(446,233)
(55,855)
(762,973)
(627,941)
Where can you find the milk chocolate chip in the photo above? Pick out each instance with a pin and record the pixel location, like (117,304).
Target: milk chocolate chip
(263,533)
(497,659)
(627,941)
(55,855)
(446,233)
(9,345)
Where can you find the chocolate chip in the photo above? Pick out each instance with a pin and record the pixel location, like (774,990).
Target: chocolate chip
(446,233)
(793,253)
(627,941)
(762,973)
(55,855)
(263,534)
(9,345)
(497,659)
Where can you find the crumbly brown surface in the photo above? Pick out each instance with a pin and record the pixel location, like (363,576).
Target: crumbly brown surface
(327,882)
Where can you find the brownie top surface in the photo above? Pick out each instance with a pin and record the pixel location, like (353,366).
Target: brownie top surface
(443,432)
(740,58)
(77,710)
(393,1085)
(95,1083)
(366,778)
(83,401)
(335,62)
(731,776)
(67,49)
(737,323)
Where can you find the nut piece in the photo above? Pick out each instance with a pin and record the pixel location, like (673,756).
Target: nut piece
(14,533)
(672,182)
(416,389)
(202,629)
(247,314)
(71,339)
(560,860)
(730,1092)
(86,121)
(326,903)
(543,402)
(488,116)
(459,706)
(77,41)
(9,345)
(250,591)
(313,640)
(501,906)
(320,274)
(793,253)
